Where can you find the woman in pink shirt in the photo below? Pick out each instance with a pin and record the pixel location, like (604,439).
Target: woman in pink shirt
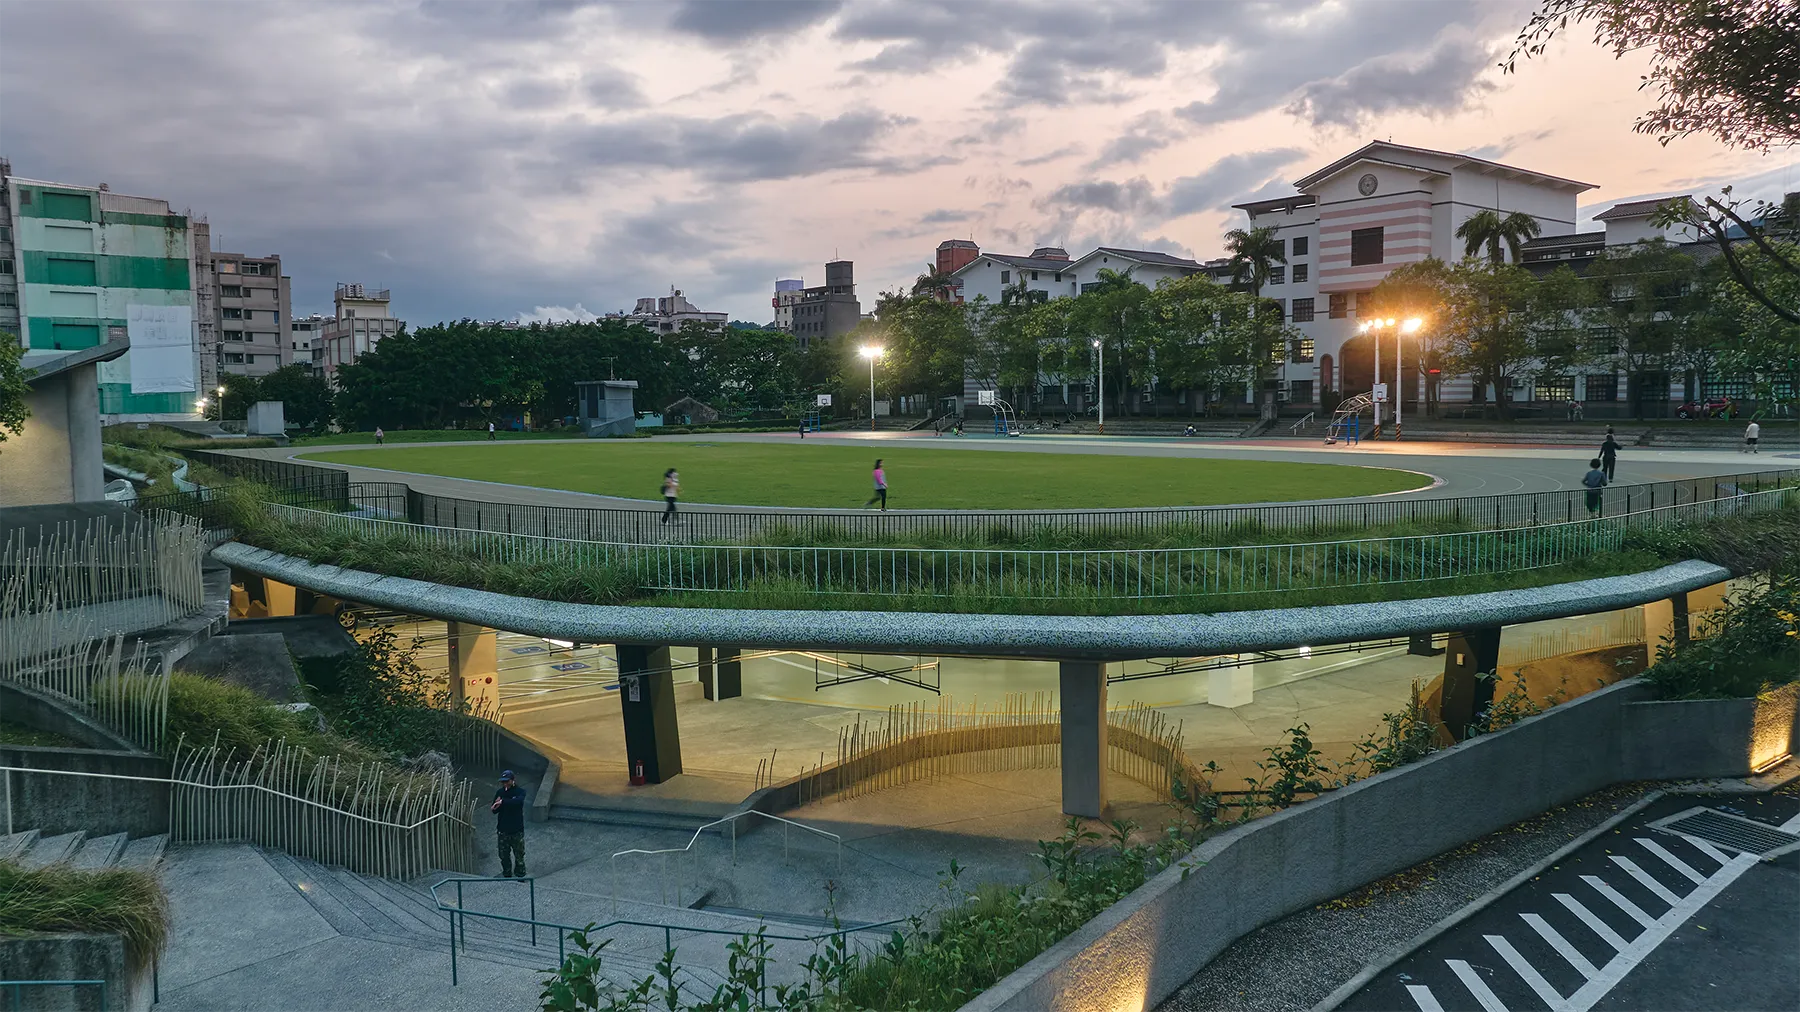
(880,487)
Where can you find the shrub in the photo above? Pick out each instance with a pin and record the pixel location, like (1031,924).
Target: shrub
(203,709)
(121,901)
(1752,646)
(383,701)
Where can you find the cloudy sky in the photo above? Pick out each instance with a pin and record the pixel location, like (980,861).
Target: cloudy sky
(536,158)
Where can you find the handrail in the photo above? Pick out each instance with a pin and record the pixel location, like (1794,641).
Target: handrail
(733,819)
(458,916)
(1297,426)
(236,787)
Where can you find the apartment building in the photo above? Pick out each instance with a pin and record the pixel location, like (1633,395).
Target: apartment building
(361,319)
(253,310)
(668,314)
(787,292)
(1353,222)
(305,334)
(78,262)
(828,310)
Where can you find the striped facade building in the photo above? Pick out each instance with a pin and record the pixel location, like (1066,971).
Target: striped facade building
(1353,222)
(75,258)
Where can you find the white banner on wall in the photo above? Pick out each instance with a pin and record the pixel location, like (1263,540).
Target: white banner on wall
(162,349)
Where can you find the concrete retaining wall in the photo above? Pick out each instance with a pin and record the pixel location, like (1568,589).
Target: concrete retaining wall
(62,804)
(23,704)
(1145,947)
(74,957)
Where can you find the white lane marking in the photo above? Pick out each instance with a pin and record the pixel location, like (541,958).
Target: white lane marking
(1524,969)
(1644,879)
(1549,934)
(1631,909)
(1422,997)
(1628,958)
(1595,924)
(1672,861)
(1478,987)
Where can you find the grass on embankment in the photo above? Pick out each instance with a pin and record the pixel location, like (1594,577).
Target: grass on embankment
(959,476)
(19,734)
(121,901)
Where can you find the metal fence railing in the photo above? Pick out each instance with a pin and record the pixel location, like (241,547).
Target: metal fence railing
(108,574)
(701,524)
(1065,574)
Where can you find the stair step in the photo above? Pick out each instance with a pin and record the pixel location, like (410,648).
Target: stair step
(99,852)
(145,852)
(631,817)
(13,846)
(319,896)
(51,850)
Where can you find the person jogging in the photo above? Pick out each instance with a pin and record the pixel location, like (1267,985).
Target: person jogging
(880,487)
(1752,433)
(490,432)
(1609,455)
(671,491)
(1595,480)
(509,825)
(380,436)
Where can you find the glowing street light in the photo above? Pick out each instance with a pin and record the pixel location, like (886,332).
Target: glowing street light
(871,352)
(1410,325)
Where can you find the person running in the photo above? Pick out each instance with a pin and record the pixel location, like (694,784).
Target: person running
(1595,480)
(671,491)
(1752,433)
(509,825)
(379,435)
(880,487)
(490,432)
(1609,454)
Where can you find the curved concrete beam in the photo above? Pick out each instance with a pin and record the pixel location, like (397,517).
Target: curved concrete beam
(1050,637)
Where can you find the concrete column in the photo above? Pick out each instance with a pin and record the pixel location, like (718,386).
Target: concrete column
(1665,623)
(474,667)
(278,597)
(721,672)
(1083,738)
(647,703)
(87,471)
(1419,645)
(1232,687)
(1471,654)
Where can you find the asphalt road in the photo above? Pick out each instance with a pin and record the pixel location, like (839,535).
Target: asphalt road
(1640,918)
(1459,469)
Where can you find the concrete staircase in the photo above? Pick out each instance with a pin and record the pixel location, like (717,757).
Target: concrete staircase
(32,849)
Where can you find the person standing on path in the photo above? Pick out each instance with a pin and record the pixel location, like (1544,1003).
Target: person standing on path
(802,428)
(671,491)
(1752,433)
(490,432)
(1595,480)
(1609,454)
(880,487)
(509,825)
(379,435)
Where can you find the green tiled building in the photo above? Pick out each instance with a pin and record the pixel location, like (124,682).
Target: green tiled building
(72,258)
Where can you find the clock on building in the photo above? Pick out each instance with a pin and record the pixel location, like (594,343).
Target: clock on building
(1366,185)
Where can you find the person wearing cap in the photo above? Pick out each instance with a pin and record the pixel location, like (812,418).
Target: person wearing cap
(509,813)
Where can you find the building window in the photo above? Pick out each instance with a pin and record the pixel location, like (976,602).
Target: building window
(227,266)
(1300,274)
(1300,245)
(6,265)
(5,233)
(233,314)
(1034,275)
(350,314)
(75,206)
(1603,387)
(1089,286)
(1556,389)
(1278,275)
(231,291)
(1303,350)
(234,358)
(1056,277)
(1338,305)
(72,272)
(1281,247)
(1366,246)
(1303,310)
(1300,391)
(253,268)
(1280,306)
(1006,277)
(9,299)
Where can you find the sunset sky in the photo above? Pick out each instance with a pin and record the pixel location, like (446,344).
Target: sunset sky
(549,159)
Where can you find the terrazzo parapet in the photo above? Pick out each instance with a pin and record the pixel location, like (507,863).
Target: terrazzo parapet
(1049,637)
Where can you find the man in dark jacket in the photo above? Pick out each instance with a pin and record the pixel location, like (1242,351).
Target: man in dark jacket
(1609,454)
(509,812)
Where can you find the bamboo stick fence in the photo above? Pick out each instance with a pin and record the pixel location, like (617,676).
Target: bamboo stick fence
(917,742)
(116,573)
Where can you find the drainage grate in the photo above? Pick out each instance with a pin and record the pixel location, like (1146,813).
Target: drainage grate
(1731,831)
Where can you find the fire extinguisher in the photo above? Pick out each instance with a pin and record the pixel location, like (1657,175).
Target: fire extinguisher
(637,773)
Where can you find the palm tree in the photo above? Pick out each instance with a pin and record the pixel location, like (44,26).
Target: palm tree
(1487,229)
(1254,255)
(934,283)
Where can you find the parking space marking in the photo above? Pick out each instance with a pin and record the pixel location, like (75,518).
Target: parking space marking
(1644,879)
(1595,924)
(1672,861)
(1631,909)
(1549,934)
(1523,968)
(1477,987)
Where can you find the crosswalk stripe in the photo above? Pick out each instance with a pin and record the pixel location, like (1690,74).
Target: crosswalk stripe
(1706,848)
(1595,924)
(1560,944)
(1478,987)
(1643,878)
(1525,969)
(1631,909)
(1422,997)
(1672,861)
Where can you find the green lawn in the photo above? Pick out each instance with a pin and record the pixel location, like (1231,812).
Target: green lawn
(428,436)
(764,474)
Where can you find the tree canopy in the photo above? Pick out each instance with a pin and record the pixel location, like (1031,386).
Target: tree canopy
(13,388)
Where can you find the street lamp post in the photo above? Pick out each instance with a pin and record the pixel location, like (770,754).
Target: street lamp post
(1401,328)
(871,352)
(1100,385)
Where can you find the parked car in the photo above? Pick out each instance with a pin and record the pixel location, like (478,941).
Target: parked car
(1716,407)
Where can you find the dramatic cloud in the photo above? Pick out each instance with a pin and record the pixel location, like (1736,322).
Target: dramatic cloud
(1232,179)
(1444,81)
(728,21)
(1120,198)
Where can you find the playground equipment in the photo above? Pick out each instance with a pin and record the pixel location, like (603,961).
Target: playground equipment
(1006,420)
(811,421)
(1346,421)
